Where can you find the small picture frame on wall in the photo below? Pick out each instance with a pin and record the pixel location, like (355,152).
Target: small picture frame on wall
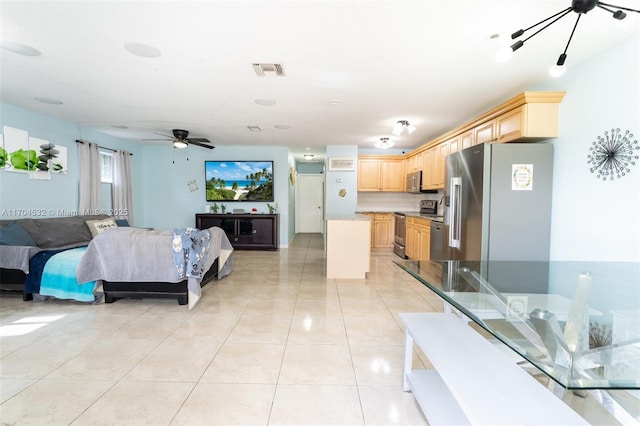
(292,175)
(342,164)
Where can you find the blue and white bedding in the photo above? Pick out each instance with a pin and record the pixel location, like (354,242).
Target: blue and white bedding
(59,277)
(138,255)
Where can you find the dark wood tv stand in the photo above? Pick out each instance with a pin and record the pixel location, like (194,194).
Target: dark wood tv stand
(245,231)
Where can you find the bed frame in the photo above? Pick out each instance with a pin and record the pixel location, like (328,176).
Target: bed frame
(14,279)
(138,290)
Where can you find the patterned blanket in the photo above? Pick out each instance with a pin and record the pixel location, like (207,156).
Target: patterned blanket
(189,246)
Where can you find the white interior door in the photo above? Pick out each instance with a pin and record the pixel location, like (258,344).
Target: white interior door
(310,203)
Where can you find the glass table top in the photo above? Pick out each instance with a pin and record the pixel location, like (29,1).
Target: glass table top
(577,322)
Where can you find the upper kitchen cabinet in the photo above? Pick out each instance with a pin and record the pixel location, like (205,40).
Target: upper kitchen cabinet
(413,163)
(466,140)
(377,173)
(530,117)
(433,165)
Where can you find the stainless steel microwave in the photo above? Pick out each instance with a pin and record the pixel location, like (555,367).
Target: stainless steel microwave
(414,183)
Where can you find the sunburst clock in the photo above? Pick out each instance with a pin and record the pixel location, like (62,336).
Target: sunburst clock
(612,155)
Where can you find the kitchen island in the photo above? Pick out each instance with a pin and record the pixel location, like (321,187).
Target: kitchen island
(348,246)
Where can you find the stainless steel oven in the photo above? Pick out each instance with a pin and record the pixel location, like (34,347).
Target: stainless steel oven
(399,240)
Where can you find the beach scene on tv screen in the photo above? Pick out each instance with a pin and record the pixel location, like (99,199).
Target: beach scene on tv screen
(239,180)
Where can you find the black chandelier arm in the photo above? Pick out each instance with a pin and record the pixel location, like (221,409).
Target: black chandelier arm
(521,31)
(606,8)
(563,57)
(618,7)
(566,12)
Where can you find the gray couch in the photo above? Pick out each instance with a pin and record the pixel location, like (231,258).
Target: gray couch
(17,249)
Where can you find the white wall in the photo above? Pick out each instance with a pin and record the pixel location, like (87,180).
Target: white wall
(592,219)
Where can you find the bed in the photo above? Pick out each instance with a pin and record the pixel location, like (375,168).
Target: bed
(134,262)
(129,262)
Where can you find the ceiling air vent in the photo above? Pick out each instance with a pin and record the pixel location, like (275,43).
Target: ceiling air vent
(263,70)
(254,128)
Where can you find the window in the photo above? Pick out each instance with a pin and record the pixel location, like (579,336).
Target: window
(106,167)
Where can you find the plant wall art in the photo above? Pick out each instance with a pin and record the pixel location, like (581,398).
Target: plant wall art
(40,158)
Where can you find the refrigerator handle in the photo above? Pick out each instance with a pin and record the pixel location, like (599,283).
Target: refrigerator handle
(454,212)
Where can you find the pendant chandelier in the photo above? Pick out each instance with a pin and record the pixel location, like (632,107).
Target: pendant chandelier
(581,7)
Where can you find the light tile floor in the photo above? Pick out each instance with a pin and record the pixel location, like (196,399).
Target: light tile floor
(274,343)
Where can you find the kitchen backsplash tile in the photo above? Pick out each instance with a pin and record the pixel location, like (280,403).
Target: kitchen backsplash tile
(393,201)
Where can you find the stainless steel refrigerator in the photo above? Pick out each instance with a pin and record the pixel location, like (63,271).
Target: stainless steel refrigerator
(498,202)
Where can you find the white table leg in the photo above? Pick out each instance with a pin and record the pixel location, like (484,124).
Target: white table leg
(408,359)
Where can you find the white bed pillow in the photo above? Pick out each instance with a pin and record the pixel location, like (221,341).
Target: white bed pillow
(99,226)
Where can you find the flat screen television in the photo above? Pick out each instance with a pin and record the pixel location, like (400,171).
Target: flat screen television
(239,180)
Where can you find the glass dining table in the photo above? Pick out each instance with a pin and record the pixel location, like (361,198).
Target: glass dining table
(577,322)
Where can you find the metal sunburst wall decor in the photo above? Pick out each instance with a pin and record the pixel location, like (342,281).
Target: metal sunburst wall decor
(612,156)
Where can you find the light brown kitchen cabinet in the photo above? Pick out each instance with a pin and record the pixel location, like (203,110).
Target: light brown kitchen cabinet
(485,133)
(375,174)
(466,140)
(382,230)
(413,163)
(528,122)
(438,174)
(428,165)
(418,238)
(528,117)
(368,175)
(433,172)
(454,144)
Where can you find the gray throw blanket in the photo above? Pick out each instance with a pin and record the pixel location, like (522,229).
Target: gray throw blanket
(134,254)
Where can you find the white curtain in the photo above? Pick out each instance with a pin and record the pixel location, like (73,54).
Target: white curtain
(89,185)
(122,186)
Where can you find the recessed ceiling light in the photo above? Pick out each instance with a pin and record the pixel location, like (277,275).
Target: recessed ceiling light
(282,126)
(141,49)
(334,101)
(48,101)
(19,48)
(308,156)
(265,102)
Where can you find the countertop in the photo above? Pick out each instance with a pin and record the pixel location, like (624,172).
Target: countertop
(412,213)
(347,217)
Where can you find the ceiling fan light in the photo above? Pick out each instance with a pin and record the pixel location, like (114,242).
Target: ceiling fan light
(179,144)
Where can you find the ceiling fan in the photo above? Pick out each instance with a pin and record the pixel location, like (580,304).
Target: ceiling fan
(181,139)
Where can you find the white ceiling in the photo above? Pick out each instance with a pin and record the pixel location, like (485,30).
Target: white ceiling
(353,68)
